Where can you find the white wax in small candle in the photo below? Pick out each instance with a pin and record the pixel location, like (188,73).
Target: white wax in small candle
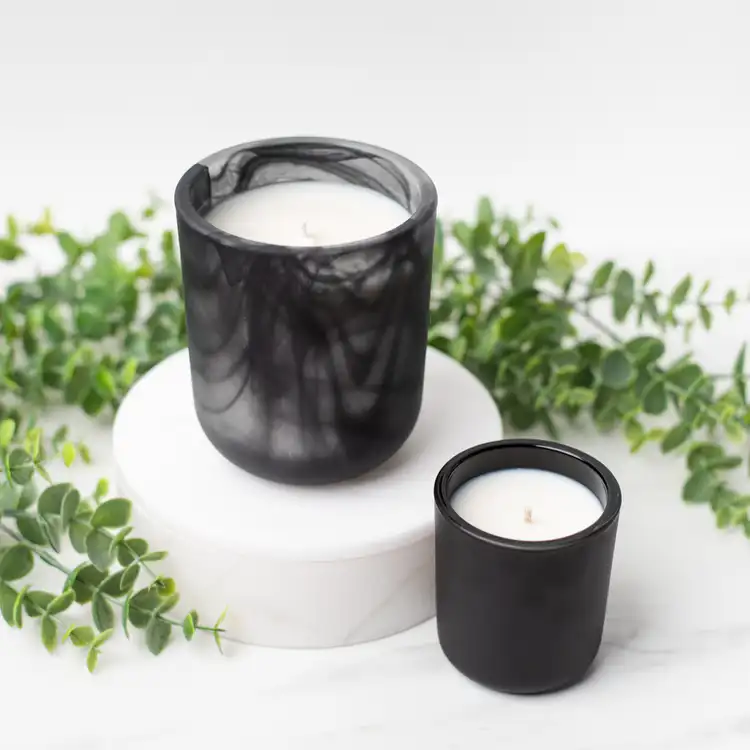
(526,504)
(306,214)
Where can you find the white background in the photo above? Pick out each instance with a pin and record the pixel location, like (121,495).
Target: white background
(628,121)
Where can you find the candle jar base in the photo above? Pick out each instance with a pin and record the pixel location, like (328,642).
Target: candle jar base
(518,616)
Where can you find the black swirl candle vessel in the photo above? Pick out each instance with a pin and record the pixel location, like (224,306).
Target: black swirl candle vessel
(525,536)
(306,265)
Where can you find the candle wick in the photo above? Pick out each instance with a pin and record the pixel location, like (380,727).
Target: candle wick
(306,233)
(527,515)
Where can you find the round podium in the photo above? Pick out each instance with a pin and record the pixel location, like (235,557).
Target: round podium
(299,567)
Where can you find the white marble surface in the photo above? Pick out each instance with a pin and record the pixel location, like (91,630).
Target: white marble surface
(628,120)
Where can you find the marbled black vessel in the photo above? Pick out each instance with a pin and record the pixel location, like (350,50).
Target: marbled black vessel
(307,363)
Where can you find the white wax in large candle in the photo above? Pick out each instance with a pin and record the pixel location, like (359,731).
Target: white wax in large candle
(526,504)
(307,214)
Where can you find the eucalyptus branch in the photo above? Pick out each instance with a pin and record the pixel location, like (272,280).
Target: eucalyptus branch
(41,522)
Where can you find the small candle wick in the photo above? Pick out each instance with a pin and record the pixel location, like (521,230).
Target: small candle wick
(527,515)
(306,233)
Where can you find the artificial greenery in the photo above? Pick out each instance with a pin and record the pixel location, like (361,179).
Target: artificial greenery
(509,307)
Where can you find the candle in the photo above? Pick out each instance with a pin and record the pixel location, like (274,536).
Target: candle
(526,504)
(306,265)
(303,214)
(524,541)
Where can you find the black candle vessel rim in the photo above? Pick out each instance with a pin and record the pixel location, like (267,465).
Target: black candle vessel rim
(610,510)
(426,206)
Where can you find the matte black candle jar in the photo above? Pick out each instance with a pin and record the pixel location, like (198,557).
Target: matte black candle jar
(522,616)
(307,363)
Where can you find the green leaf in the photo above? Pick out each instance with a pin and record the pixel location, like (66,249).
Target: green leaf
(78,533)
(16,562)
(69,508)
(168,603)
(8,597)
(730,300)
(685,376)
(102,612)
(36,602)
(559,265)
(624,295)
(21,466)
(681,291)
(120,582)
(102,638)
(10,251)
(188,627)
(10,498)
(699,487)
(49,633)
(485,213)
(128,551)
(51,500)
(28,496)
(648,273)
(102,489)
(80,636)
(158,633)
(645,349)
(18,607)
(655,398)
(601,276)
(61,603)
(738,374)
(616,370)
(126,614)
(68,454)
(112,514)
(7,430)
(706,316)
(92,659)
(462,232)
(675,437)
(100,549)
(217,631)
(87,579)
(155,556)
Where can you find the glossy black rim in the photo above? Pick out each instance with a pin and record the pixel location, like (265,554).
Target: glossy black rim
(427,198)
(610,511)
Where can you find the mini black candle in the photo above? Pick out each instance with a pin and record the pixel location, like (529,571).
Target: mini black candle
(516,615)
(307,342)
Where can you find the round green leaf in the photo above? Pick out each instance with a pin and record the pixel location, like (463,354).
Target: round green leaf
(675,437)
(129,550)
(617,371)
(100,549)
(112,514)
(655,398)
(21,466)
(102,612)
(80,636)
(17,562)
(699,487)
(92,659)
(49,633)
(157,635)
(61,603)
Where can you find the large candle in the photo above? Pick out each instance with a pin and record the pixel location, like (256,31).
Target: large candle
(303,214)
(526,504)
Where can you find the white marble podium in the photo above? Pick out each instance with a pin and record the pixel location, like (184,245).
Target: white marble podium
(298,566)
